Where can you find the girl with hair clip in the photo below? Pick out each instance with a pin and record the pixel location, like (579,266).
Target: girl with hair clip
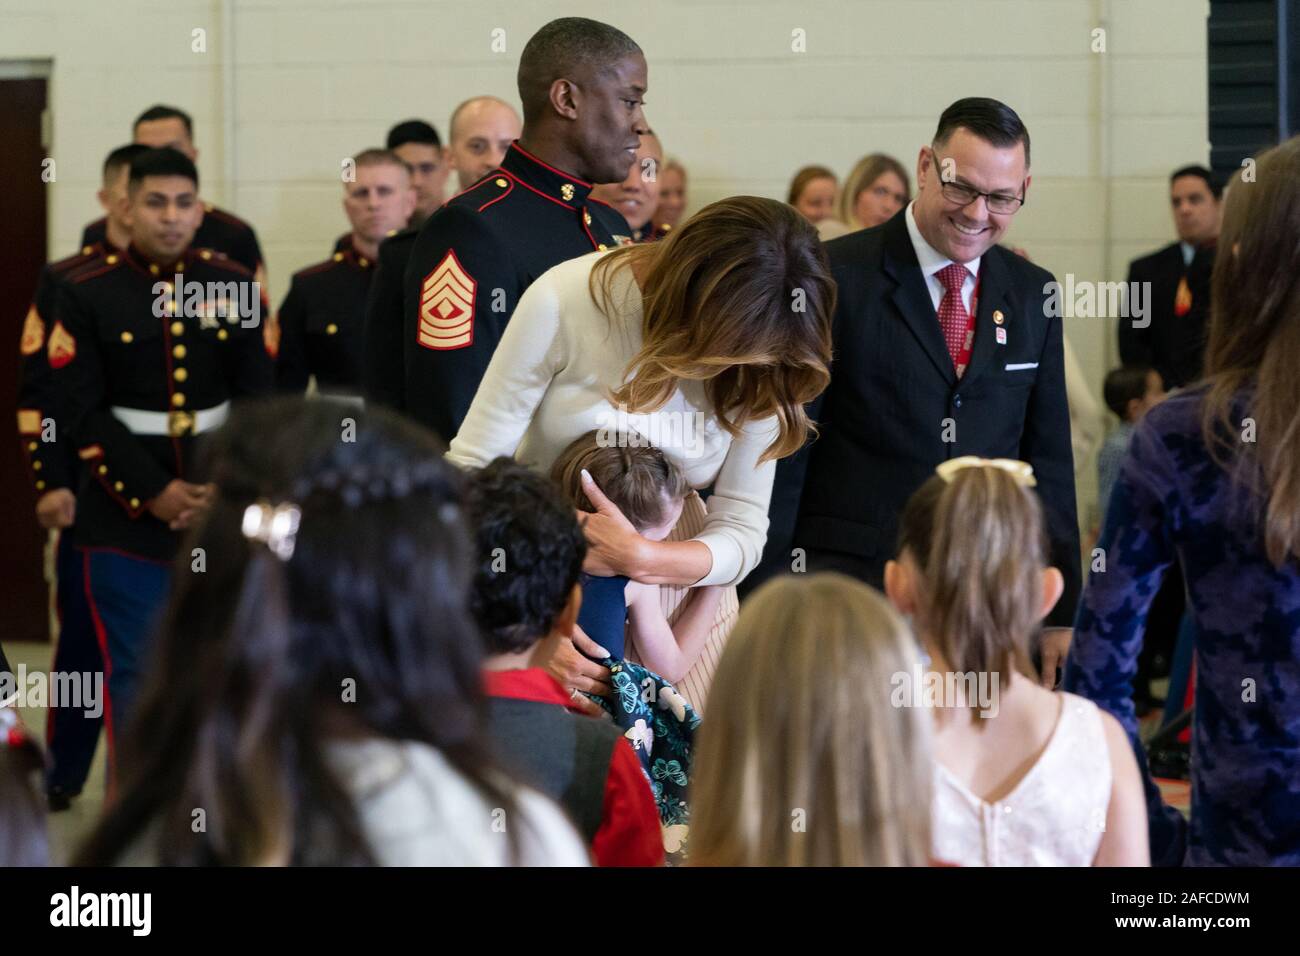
(1024,776)
(316,692)
(804,759)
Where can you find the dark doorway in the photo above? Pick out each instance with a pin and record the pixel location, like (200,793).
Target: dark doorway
(24,600)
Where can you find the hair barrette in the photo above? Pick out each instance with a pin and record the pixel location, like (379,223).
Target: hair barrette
(1021,471)
(276,527)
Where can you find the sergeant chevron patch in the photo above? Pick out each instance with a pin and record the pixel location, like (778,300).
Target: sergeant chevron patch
(447,306)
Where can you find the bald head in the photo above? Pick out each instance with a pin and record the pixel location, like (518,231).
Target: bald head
(482,129)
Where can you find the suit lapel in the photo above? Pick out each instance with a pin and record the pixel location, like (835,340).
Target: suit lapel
(995,295)
(911,297)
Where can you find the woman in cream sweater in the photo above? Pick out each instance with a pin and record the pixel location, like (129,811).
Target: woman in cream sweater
(707,344)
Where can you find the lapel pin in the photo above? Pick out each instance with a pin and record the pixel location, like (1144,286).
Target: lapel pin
(998,318)
(1002,335)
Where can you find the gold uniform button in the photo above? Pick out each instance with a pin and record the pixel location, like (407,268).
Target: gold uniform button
(153,268)
(40,486)
(601,247)
(363,262)
(223,334)
(36,465)
(111,260)
(178,399)
(338,257)
(87,250)
(501,182)
(331,329)
(179,352)
(118,486)
(135,502)
(103,469)
(128,338)
(31,446)
(180,375)
(178,328)
(205,255)
(586,217)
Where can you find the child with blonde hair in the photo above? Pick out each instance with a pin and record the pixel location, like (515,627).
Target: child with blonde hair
(1024,775)
(804,760)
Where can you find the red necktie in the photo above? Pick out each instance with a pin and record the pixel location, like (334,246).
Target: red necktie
(953,317)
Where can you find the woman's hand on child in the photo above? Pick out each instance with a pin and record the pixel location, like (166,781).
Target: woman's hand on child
(568,660)
(612,543)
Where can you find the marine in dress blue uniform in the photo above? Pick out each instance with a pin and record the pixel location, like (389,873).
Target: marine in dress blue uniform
(71,735)
(581,84)
(140,380)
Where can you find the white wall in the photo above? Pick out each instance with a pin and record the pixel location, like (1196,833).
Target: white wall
(315,80)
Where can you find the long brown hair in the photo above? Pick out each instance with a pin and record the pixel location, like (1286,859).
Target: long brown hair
(867,170)
(254,656)
(979,545)
(1254,342)
(804,760)
(739,297)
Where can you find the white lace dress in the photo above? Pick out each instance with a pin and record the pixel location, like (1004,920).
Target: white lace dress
(1055,815)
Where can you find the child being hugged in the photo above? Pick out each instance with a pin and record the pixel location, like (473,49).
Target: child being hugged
(650,490)
(1024,776)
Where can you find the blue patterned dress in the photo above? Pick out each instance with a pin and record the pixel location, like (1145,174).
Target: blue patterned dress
(1171,500)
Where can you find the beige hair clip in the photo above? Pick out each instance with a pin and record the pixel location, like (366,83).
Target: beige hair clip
(276,527)
(1021,471)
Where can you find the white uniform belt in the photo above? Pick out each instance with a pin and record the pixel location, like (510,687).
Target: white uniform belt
(173,424)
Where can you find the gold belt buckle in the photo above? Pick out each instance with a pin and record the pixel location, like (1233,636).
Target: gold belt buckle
(180,424)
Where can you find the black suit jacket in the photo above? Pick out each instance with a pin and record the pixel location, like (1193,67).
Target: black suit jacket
(894,394)
(1172,344)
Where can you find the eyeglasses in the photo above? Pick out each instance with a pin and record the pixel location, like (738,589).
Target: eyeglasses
(962,195)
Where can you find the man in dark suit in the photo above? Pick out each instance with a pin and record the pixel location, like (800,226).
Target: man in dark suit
(944,346)
(1171,337)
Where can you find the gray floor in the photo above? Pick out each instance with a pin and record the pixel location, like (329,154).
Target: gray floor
(68,827)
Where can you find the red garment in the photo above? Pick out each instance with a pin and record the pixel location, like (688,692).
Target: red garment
(958,325)
(629,833)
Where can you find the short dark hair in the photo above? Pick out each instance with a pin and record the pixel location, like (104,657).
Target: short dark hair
(1124,385)
(412,131)
(122,156)
(161,112)
(989,119)
(520,517)
(1212,181)
(163,161)
(561,48)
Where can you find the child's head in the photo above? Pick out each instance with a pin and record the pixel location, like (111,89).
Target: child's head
(528,560)
(22,801)
(804,760)
(646,486)
(972,566)
(325,595)
(1133,390)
